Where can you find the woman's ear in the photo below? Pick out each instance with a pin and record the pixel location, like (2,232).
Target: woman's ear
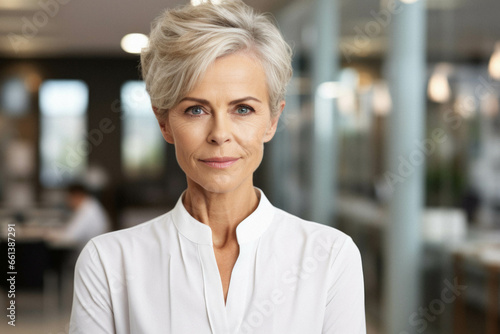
(271,130)
(162,118)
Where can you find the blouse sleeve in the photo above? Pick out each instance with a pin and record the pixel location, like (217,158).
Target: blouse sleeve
(92,311)
(345,305)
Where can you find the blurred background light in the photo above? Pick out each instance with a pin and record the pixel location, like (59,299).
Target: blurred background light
(143,148)
(68,98)
(439,88)
(382,102)
(349,83)
(329,90)
(134,43)
(494,64)
(63,127)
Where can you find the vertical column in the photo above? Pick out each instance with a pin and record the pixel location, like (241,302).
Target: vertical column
(324,142)
(406,73)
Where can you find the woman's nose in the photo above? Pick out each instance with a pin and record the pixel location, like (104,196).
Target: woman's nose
(220,129)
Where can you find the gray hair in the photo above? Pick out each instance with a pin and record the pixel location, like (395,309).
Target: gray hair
(186,40)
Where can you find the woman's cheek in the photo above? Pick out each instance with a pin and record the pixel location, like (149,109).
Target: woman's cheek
(251,133)
(188,134)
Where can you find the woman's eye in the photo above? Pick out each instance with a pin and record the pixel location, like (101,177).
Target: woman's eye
(243,110)
(195,110)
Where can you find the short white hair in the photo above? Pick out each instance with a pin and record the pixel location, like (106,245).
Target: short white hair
(186,40)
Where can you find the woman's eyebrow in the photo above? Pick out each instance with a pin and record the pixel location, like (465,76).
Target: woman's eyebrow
(245,99)
(206,102)
(201,101)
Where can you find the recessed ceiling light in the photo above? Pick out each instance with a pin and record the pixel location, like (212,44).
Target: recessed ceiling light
(134,43)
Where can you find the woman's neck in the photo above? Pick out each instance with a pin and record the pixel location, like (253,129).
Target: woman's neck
(222,212)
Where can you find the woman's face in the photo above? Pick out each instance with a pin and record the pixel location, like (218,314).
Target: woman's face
(220,127)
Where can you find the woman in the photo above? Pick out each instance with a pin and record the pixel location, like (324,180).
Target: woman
(224,260)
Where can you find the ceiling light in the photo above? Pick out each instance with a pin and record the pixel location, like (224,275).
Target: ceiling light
(439,88)
(494,65)
(134,43)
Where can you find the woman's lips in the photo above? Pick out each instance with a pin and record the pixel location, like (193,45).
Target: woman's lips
(219,162)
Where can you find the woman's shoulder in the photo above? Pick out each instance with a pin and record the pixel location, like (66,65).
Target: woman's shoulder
(292,238)
(291,230)
(295,224)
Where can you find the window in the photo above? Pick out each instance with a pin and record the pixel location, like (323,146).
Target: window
(63,146)
(143,147)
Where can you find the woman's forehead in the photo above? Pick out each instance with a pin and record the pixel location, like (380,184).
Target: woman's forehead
(233,76)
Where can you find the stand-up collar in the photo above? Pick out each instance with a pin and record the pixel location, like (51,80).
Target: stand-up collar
(249,230)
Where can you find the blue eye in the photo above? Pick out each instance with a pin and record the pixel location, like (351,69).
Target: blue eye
(243,110)
(195,110)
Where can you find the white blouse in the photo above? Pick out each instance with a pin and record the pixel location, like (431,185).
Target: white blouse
(291,276)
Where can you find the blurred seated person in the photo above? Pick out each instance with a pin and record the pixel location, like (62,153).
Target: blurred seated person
(89,219)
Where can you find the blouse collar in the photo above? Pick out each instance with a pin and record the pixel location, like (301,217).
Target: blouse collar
(249,230)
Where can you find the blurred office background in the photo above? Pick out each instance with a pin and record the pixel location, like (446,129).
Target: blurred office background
(391,133)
